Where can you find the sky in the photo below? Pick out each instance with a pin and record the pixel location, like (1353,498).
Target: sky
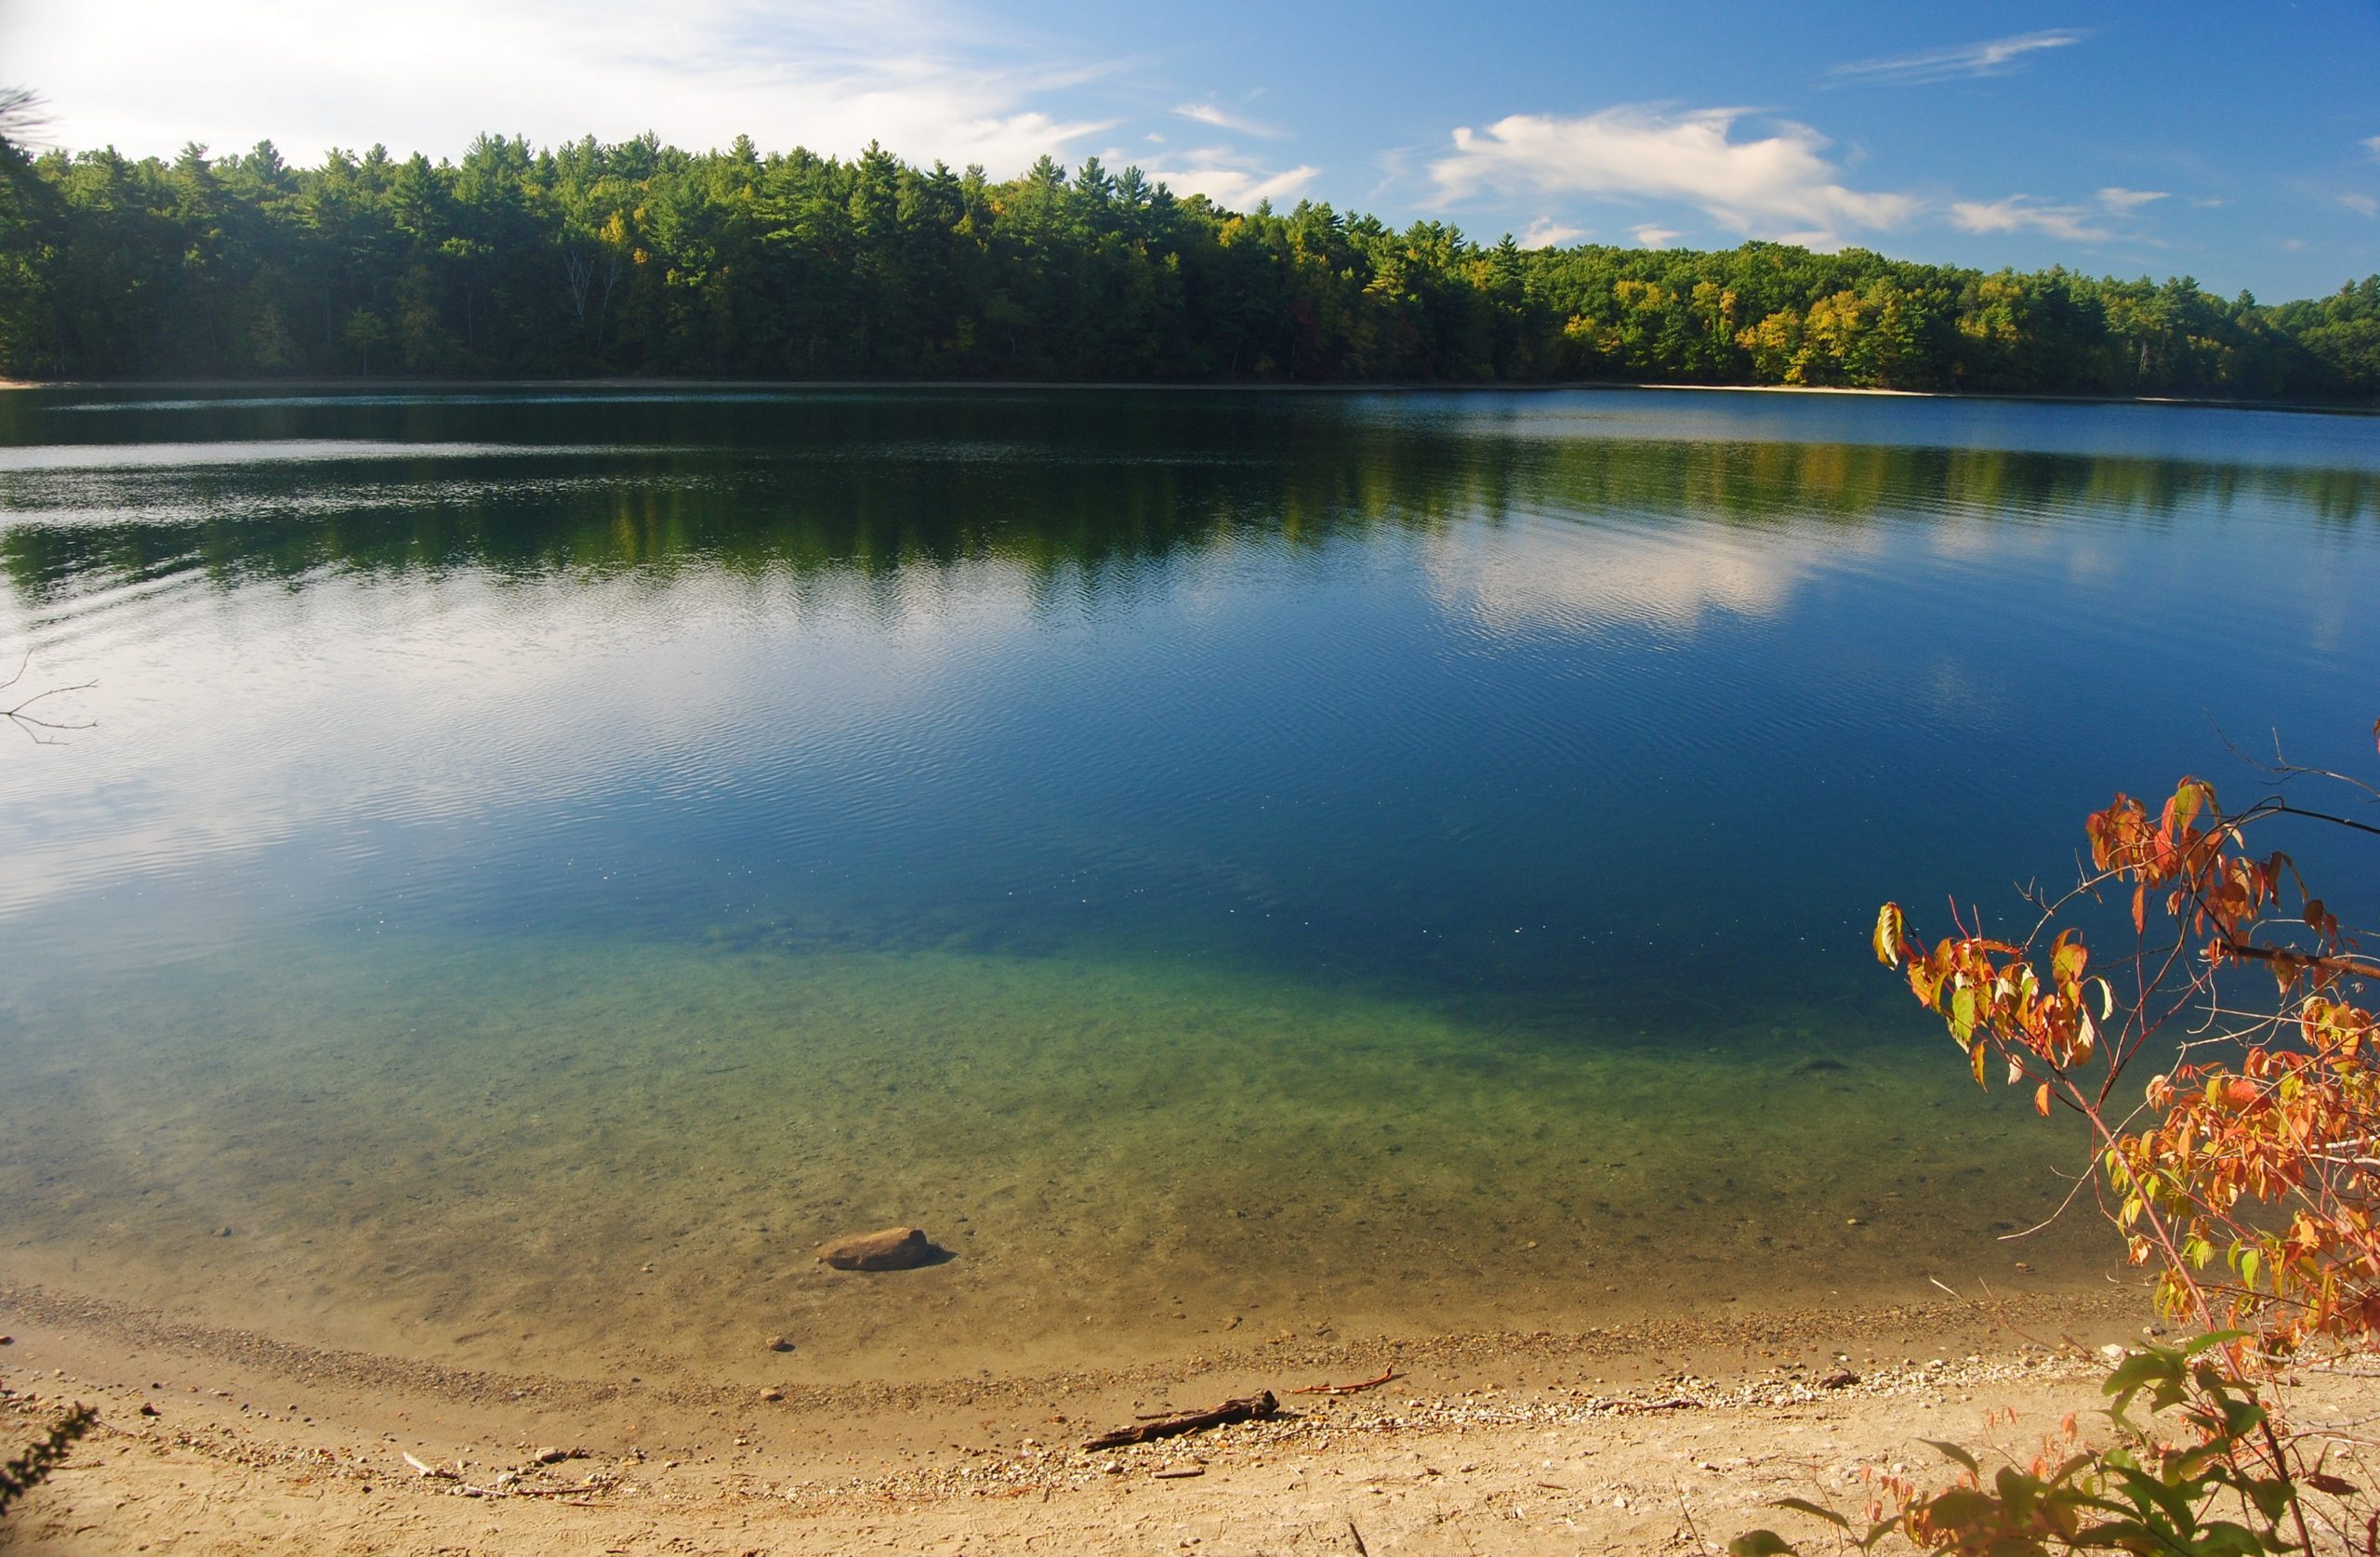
(2238,143)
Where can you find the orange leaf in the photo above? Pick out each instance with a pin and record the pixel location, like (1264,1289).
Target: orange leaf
(1888,933)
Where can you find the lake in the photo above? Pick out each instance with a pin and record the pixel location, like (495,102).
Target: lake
(1226,864)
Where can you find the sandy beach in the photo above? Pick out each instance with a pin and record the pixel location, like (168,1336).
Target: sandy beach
(1656,1436)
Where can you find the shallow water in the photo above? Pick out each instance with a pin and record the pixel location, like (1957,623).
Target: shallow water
(1225,864)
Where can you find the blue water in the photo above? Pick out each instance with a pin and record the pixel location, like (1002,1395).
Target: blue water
(967,790)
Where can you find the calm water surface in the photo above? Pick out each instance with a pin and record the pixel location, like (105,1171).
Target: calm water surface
(1225,864)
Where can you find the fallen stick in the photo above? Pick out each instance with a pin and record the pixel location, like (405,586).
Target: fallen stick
(1246,1408)
(1348,1388)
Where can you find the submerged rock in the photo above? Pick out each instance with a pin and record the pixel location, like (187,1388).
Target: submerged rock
(895,1249)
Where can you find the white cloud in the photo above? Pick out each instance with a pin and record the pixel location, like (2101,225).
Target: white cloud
(2019,213)
(830,74)
(1653,237)
(2362,203)
(2370,144)
(1232,180)
(2124,201)
(1994,57)
(1208,112)
(1779,185)
(1547,234)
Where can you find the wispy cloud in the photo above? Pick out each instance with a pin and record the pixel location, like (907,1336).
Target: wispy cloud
(2123,202)
(2371,144)
(2021,213)
(1653,237)
(1547,234)
(2362,205)
(832,75)
(1230,179)
(1778,185)
(1994,57)
(1211,113)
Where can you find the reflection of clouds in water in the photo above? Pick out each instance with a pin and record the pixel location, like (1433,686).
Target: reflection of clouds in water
(93,497)
(336,711)
(1536,577)
(278,450)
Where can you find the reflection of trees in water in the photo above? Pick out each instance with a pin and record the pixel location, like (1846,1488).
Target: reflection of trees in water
(1047,485)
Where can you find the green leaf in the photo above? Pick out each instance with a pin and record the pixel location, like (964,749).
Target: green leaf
(1802,1505)
(1952,1451)
(2138,1371)
(2212,1339)
(1960,1506)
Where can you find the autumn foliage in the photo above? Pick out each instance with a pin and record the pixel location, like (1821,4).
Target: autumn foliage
(2246,1172)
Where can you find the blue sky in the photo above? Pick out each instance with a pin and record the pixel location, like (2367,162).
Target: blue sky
(2237,143)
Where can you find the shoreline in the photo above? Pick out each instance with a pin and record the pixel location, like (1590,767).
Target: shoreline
(1510,1441)
(2349,408)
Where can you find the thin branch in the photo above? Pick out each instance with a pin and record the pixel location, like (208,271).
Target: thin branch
(32,723)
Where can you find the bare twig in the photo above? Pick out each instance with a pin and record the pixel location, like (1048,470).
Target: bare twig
(32,724)
(1355,1388)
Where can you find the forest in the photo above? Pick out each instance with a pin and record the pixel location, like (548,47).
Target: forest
(639,258)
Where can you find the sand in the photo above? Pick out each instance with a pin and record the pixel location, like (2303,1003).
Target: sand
(1657,1436)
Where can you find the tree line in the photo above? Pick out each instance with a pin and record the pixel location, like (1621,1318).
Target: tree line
(641,259)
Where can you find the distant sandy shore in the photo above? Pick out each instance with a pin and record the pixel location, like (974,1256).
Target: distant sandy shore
(1654,1436)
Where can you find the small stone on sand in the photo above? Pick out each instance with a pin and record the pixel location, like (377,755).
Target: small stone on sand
(895,1249)
(779,1343)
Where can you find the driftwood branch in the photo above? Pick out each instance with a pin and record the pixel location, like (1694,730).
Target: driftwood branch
(1243,1409)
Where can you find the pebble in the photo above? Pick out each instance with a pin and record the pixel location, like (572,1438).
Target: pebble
(772,1393)
(779,1343)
